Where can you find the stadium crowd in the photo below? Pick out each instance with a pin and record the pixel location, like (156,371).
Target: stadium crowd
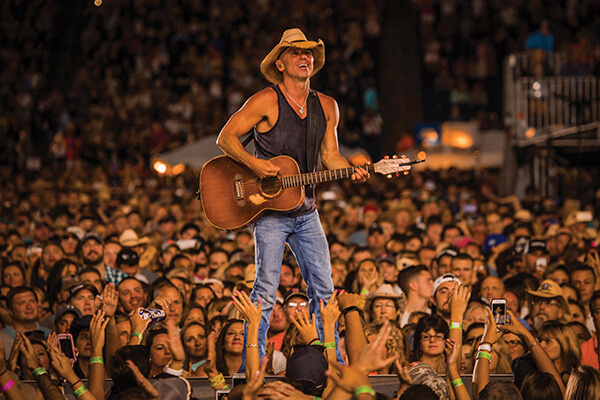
(89,244)
(415,261)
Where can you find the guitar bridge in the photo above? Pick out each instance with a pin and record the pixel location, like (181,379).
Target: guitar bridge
(238,189)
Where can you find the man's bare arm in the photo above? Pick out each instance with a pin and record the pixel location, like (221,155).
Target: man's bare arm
(246,118)
(330,151)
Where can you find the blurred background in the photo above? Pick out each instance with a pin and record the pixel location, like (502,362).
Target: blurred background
(504,86)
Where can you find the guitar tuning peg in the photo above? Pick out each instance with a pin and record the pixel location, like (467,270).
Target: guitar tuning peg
(395,156)
(405,172)
(403,156)
(389,176)
(397,174)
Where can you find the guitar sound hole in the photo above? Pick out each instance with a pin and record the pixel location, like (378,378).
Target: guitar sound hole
(270,186)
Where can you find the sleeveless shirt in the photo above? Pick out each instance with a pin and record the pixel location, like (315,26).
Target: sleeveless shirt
(288,137)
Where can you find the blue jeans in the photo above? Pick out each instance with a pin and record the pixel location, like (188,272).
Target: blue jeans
(308,243)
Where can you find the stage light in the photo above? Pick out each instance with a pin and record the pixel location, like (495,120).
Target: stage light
(160,167)
(422,155)
(178,169)
(97,3)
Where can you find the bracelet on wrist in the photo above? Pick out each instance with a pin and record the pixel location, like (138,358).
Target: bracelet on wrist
(137,335)
(75,383)
(80,390)
(536,343)
(316,342)
(39,371)
(329,345)
(96,360)
(456,325)
(485,347)
(457,382)
(490,343)
(364,291)
(7,386)
(364,389)
(483,354)
(174,372)
(352,308)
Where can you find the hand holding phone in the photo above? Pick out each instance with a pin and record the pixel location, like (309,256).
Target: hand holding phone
(65,343)
(499,311)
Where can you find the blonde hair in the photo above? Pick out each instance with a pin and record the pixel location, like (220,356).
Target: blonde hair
(503,352)
(570,350)
(396,343)
(583,384)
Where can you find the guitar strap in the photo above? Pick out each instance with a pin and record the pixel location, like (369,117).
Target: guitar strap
(311,130)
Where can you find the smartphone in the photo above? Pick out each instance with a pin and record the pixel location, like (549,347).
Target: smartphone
(583,216)
(499,311)
(541,264)
(222,394)
(65,343)
(238,379)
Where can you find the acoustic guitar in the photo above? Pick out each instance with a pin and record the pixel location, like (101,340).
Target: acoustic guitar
(233,196)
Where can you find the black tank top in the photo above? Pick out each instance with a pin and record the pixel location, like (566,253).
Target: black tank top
(288,137)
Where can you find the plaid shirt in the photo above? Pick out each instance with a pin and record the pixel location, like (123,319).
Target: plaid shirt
(113,275)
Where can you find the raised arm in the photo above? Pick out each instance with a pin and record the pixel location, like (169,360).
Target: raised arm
(541,358)
(481,373)
(97,335)
(458,306)
(252,315)
(349,304)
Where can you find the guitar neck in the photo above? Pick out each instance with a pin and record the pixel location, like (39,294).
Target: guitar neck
(322,176)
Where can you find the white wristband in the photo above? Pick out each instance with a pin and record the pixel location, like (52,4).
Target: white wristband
(174,372)
(485,347)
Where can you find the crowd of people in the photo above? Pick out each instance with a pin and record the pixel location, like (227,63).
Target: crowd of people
(149,76)
(415,261)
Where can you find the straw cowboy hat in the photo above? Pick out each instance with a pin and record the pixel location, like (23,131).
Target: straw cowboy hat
(292,38)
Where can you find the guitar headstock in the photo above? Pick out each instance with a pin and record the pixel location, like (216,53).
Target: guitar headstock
(389,166)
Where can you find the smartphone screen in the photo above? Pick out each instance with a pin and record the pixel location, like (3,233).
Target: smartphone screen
(222,394)
(65,342)
(499,311)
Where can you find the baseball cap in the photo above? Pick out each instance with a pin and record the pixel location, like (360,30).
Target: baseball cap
(549,289)
(80,324)
(127,257)
(77,231)
(386,257)
(375,228)
(81,286)
(492,241)
(92,235)
(536,245)
(293,292)
(448,251)
(521,246)
(443,279)
(307,365)
(67,309)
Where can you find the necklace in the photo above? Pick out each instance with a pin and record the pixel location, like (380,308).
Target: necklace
(290,97)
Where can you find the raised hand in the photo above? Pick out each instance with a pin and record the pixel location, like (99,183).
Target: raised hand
(175,345)
(62,364)
(255,382)
(330,312)
(27,350)
(142,381)
(515,327)
(13,358)
(250,312)
(490,334)
(373,356)
(459,301)
(98,332)
(350,377)
(138,324)
(210,366)
(346,300)
(307,330)
(110,300)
